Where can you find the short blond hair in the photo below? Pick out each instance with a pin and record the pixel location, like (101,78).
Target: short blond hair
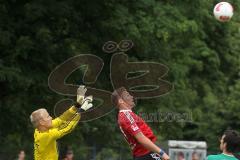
(36,116)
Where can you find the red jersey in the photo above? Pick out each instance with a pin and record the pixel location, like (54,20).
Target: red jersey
(130,124)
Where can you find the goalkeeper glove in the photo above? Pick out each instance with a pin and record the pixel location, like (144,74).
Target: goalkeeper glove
(81,94)
(87,103)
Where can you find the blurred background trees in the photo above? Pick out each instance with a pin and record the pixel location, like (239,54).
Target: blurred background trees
(203,56)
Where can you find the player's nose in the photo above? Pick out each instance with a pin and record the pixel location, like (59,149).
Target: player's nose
(132,98)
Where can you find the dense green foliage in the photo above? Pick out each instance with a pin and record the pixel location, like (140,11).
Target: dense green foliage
(203,56)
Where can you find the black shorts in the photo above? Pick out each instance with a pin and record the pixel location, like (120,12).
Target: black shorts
(149,156)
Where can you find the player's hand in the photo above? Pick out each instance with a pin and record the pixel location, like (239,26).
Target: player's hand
(80,94)
(165,157)
(87,103)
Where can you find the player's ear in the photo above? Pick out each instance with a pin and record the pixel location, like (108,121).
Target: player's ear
(224,145)
(120,101)
(41,122)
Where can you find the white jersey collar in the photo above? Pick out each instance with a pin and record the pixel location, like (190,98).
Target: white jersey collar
(228,155)
(125,110)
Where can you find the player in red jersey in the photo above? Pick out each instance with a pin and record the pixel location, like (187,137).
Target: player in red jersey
(137,133)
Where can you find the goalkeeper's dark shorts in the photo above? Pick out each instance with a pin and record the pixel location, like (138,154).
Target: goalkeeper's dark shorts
(149,156)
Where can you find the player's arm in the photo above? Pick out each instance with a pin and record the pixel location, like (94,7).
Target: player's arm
(68,126)
(149,145)
(57,133)
(129,125)
(81,104)
(63,118)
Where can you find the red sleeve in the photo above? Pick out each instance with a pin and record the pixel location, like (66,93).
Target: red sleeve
(128,124)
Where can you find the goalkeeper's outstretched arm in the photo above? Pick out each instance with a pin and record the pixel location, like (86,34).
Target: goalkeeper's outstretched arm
(82,103)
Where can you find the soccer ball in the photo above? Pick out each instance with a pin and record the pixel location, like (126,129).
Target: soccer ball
(223,11)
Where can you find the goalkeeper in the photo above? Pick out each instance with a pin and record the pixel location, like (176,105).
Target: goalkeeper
(48,130)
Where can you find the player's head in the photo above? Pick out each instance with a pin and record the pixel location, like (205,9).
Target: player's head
(122,99)
(195,156)
(230,141)
(180,156)
(40,118)
(67,153)
(21,155)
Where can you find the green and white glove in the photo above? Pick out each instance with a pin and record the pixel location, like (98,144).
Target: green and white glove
(81,94)
(83,103)
(87,103)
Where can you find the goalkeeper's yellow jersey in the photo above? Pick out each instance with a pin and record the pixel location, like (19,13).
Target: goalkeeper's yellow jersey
(45,145)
